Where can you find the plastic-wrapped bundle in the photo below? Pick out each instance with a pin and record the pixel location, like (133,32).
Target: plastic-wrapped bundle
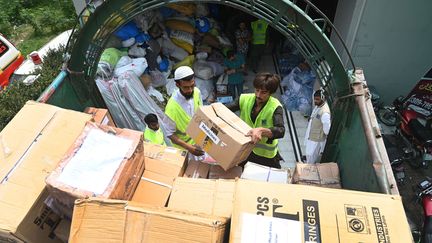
(203,70)
(205,86)
(129,102)
(298,86)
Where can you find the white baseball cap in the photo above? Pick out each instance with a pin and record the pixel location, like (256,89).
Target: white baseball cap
(183,72)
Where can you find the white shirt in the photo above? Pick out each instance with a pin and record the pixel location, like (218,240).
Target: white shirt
(187,105)
(325,120)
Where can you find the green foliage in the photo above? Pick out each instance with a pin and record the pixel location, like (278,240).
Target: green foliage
(45,16)
(15,96)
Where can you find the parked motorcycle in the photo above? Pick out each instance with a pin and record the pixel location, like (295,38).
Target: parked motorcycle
(413,130)
(424,195)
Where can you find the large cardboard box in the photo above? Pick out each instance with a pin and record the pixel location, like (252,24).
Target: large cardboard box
(299,213)
(162,165)
(253,171)
(214,197)
(104,161)
(321,174)
(100,116)
(96,220)
(31,145)
(222,134)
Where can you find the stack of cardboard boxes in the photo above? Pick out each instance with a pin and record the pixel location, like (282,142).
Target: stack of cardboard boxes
(148,197)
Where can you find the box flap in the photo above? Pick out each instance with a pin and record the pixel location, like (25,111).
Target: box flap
(97,220)
(231,118)
(27,149)
(213,197)
(153,189)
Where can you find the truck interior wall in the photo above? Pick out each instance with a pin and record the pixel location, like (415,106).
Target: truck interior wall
(66,97)
(353,155)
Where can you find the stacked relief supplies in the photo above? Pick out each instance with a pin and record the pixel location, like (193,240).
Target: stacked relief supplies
(135,68)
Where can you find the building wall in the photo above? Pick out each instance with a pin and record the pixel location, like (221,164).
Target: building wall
(389,39)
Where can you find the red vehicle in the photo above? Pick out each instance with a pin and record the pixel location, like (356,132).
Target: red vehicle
(10,59)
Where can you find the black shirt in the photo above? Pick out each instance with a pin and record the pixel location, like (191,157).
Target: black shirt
(278,129)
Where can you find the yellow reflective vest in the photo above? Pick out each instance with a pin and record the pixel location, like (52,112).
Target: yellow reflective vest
(152,136)
(174,111)
(259,30)
(264,119)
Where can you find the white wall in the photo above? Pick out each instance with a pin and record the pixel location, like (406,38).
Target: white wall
(389,39)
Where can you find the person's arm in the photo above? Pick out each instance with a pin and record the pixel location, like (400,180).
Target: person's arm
(234,106)
(275,132)
(193,149)
(325,119)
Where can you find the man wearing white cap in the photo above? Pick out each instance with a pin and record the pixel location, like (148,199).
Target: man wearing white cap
(180,109)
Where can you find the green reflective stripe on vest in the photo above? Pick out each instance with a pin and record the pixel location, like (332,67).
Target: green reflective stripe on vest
(264,119)
(156,137)
(181,118)
(259,29)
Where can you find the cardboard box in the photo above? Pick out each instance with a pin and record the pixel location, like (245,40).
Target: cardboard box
(322,174)
(197,169)
(299,213)
(253,171)
(162,165)
(31,145)
(104,161)
(214,197)
(222,134)
(217,172)
(100,116)
(97,220)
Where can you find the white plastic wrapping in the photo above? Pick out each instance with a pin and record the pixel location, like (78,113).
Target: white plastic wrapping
(128,102)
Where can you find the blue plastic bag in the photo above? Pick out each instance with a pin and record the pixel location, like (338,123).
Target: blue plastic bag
(202,24)
(127,31)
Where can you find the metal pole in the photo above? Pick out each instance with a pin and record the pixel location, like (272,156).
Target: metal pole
(370,137)
(44,97)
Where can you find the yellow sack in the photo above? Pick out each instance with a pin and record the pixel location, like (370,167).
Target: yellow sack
(183,44)
(187,9)
(188,61)
(180,25)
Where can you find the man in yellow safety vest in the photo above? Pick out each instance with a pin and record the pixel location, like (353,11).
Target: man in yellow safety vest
(153,133)
(265,115)
(259,36)
(180,109)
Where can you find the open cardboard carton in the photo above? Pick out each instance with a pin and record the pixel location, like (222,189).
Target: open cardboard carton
(104,162)
(97,220)
(222,134)
(31,146)
(162,165)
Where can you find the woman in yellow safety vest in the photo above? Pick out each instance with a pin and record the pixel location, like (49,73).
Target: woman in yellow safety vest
(265,115)
(153,133)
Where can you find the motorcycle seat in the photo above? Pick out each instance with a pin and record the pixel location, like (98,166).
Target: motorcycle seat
(419,131)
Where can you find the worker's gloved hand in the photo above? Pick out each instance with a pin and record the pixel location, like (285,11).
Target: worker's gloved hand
(195,150)
(255,134)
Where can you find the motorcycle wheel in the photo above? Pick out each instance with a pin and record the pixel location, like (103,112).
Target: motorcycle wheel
(387,116)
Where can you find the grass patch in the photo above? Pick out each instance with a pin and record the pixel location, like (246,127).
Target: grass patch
(34,43)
